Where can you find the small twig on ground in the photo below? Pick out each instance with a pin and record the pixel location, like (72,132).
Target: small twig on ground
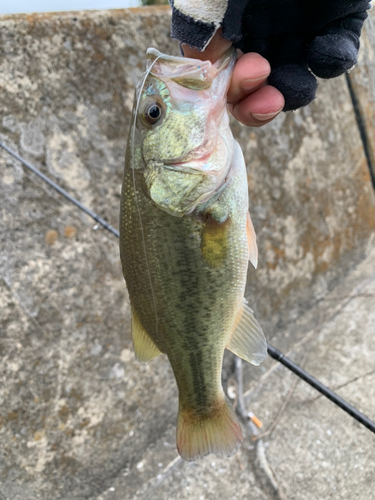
(155,482)
(240,464)
(232,391)
(261,455)
(170,466)
(239,379)
(253,432)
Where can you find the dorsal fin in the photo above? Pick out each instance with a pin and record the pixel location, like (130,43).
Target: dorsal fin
(248,341)
(144,348)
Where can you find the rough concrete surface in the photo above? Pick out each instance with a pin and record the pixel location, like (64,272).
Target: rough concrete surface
(80,418)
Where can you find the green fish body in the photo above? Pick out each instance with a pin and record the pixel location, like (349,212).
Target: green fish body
(185,240)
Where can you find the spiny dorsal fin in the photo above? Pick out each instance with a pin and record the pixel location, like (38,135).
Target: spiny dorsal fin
(248,341)
(252,241)
(144,348)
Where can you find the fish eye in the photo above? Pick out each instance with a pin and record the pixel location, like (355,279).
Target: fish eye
(152,113)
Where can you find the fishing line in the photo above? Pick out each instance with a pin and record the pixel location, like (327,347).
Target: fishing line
(132,166)
(272,351)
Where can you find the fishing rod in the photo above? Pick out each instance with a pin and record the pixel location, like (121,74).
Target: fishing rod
(60,190)
(272,351)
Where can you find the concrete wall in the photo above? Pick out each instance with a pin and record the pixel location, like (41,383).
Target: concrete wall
(76,409)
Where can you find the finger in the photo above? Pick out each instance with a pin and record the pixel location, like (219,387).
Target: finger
(250,73)
(215,49)
(259,108)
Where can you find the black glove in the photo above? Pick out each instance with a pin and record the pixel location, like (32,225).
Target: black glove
(295,35)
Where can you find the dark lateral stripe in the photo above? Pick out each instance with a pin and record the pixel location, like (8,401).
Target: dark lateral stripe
(189,30)
(199,383)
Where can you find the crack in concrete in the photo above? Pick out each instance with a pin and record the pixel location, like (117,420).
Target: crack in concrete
(341,386)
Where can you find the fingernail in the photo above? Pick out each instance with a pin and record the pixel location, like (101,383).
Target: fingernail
(265,117)
(250,83)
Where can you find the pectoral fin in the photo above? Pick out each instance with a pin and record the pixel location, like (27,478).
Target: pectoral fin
(214,245)
(252,241)
(248,341)
(144,348)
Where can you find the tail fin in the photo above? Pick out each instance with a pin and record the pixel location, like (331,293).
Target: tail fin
(217,431)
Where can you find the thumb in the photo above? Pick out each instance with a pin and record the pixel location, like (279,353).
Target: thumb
(214,51)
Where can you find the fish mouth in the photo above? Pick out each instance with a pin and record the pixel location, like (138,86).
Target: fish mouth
(196,159)
(191,65)
(189,163)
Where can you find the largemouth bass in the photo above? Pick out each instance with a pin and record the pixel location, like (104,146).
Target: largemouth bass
(186,238)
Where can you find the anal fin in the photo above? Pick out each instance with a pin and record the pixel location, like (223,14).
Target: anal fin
(144,348)
(248,341)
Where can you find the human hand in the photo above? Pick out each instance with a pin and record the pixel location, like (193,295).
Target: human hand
(303,39)
(251,101)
